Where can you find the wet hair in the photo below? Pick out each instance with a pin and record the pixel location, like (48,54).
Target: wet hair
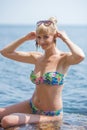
(50,29)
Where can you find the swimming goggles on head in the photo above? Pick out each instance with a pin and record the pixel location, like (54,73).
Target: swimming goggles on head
(45,22)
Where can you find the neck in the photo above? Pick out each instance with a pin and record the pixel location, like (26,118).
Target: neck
(51,51)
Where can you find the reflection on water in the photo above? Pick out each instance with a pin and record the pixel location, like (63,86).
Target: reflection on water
(70,122)
(49,126)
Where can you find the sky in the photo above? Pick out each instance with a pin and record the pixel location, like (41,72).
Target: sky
(31,11)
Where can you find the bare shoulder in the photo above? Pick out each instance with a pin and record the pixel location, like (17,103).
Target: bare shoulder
(36,54)
(64,56)
(63,61)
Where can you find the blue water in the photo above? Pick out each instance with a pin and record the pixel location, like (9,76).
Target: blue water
(15,85)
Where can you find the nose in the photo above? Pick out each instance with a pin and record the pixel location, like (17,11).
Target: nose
(42,41)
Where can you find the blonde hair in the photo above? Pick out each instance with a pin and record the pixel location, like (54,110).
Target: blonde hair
(52,28)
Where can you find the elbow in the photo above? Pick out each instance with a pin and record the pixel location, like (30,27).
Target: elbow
(82,57)
(3,52)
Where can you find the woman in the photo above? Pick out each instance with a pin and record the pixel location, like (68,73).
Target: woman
(48,75)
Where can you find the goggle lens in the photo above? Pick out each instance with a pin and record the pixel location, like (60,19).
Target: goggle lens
(45,22)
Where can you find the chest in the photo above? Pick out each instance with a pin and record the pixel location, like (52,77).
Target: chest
(48,65)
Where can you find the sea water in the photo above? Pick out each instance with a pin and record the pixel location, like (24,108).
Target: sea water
(15,85)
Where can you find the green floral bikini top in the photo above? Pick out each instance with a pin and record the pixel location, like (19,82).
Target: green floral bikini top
(49,78)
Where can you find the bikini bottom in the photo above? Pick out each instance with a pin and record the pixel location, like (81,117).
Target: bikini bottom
(35,110)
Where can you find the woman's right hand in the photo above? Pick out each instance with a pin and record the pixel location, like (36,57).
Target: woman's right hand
(30,36)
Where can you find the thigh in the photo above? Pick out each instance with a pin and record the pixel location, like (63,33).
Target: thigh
(23,107)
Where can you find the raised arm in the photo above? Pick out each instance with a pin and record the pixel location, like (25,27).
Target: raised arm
(76,54)
(27,57)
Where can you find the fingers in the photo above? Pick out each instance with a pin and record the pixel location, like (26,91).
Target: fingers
(62,35)
(33,32)
(31,36)
(58,34)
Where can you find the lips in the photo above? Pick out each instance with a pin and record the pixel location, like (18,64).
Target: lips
(43,45)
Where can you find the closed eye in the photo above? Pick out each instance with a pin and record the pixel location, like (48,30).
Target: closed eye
(45,37)
(39,37)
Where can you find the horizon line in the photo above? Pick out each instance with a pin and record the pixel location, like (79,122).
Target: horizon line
(32,24)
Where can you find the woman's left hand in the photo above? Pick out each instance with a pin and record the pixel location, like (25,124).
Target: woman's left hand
(62,35)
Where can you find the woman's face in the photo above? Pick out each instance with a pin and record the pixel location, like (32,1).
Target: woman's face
(45,40)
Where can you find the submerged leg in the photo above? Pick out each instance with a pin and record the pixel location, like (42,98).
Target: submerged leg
(20,119)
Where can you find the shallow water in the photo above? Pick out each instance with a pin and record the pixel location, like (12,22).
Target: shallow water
(70,122)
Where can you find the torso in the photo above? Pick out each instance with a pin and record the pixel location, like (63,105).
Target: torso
(45,97)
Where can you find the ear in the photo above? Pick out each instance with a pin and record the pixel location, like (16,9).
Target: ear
(54,38)
(37,45)
(55,35)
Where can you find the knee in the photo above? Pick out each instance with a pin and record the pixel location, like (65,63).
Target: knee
(6,122)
